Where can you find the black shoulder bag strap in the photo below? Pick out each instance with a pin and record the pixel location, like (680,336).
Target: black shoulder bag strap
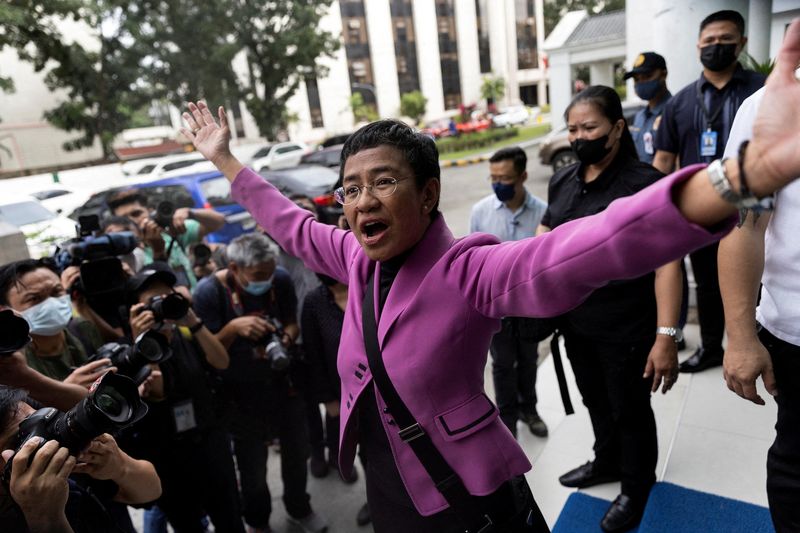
(446,480)
(555,349)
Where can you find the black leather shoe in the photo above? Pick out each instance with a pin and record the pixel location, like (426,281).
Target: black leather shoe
(363,517)
(587,476)
(622,515)
(535,423)
(318,466)
(701,360)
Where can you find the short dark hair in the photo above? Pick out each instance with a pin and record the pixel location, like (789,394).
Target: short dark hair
(607,101)
(514,153)
(300,196)
(129,196)
(419,150)
(114,220)
(724,15)
(12,273)
(10,398)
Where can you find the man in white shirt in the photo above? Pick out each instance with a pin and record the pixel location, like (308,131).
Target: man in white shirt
(765,340)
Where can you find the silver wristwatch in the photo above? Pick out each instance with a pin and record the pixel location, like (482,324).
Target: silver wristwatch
(675,333)
(721,183)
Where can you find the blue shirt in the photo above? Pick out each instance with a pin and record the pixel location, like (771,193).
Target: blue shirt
(683,121)
(644,127)
(490,215)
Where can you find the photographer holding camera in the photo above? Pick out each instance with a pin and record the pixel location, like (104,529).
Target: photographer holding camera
(252,307)
(161,232)
(182,434)
(42,496)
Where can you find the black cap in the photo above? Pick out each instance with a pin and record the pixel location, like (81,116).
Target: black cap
(645,63)
(150,274)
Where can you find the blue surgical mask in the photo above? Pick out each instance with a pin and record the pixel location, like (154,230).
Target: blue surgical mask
(647,90)
(49,317)
(503,191)
(257,288)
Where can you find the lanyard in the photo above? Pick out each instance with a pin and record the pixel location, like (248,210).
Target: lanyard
(701,101)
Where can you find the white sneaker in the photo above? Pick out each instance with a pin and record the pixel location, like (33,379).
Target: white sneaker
(311,523)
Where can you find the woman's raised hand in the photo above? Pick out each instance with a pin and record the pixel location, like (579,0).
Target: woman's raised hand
(210,138)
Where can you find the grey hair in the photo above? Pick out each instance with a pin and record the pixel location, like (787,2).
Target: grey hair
(251,249)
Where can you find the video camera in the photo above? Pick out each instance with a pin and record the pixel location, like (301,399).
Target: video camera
(132,360)
(14,332)
(113,403)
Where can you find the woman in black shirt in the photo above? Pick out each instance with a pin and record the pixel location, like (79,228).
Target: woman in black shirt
(616,355)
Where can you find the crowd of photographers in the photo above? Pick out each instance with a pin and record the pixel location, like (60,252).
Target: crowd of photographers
(140,367)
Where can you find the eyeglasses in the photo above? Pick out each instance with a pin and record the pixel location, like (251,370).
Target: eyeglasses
(382,187)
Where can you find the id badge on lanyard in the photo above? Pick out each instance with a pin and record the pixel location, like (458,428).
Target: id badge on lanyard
(183,415)
(709,138)
(708,143)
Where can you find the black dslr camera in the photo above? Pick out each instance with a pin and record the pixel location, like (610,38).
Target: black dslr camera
(113,403)
(163,214)
(13,332)
(132,360)
(279,358)
(171,306)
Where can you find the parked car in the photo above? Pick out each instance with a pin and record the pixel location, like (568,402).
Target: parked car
(474,125)
(437,128)
(60,200)
(326,157)
(43,229)
(280,155)
(555,149)
(157,168)
(340,138)
(511,116)
(209,190)
(316,182)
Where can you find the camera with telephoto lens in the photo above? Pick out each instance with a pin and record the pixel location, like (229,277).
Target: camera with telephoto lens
(163,214)
(89,245)
(170,306)
(279,358)
(113,403)
(14,332)
(132,360)
(201,254)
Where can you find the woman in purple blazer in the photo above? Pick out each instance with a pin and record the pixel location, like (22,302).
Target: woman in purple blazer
(438,299)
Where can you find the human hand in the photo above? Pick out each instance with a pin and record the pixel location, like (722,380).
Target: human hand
(141,320)
(102,459)
(151,236)
(38,483)
(743,362)
(89,373)
(153,387)
(189,319)
(773,156)
(252,327)
(209,138)
(662,364)
(332,408)
(70,275)
(179,220)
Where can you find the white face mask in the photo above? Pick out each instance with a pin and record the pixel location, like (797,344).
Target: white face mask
(49,317)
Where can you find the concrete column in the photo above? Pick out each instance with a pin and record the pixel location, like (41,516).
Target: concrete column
(12,244)
(601,74)
(469,66)
(560,86)
(542,85)
(382,56)
(498,49)
(430,67)
(512,82)
(759,29)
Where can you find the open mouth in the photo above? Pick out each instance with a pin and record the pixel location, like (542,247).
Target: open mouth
(373,230)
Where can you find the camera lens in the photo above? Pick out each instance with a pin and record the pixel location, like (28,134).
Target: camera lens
(150,349)
(112,404)
(14,330)
(174,306)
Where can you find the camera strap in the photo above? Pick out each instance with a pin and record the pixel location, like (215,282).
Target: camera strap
(444,477)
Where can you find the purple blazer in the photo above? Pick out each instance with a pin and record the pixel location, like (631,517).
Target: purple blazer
(446,303)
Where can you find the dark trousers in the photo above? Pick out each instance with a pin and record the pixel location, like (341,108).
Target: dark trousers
(321,434)
(198,479)
(251,449)
(388,516)
(709,301)
(514,358)
(609,377)
(783,459)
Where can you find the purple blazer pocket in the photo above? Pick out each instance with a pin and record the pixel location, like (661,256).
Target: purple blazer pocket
(467,418)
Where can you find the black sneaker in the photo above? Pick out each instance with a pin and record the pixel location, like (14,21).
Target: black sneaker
(318,466)
(535,423)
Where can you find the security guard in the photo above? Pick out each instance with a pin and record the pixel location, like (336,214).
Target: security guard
(649,74)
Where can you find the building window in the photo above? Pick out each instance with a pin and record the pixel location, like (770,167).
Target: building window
(405,45)
(482,12)
(448,53)
(356,47)
(527,56)
(314,105)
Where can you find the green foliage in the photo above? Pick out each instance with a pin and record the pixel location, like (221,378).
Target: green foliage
(493,88)
(555,9)
(478,139)
(413,105)
(750,63)
(362,112)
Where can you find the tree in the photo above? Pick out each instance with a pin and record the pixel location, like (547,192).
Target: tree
(555,9)
(362,112)
(413,105)
(492,89)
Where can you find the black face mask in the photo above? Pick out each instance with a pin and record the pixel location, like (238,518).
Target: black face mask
(592,151)
(717,57)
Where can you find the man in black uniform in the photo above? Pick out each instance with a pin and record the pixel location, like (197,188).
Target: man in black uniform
(694,129)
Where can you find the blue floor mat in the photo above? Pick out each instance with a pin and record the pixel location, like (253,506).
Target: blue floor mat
(670,509)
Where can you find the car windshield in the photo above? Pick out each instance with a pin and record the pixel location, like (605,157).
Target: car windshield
(23,213)
(217,191)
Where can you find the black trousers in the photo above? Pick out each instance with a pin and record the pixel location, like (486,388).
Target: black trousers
(783,458)
(198,479)
(710,313)
(514,358)
(288,419)
(609,377)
